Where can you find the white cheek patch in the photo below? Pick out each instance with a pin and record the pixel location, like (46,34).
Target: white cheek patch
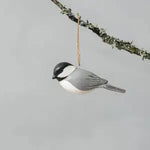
(67,71)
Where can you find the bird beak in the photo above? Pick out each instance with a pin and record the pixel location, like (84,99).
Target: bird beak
(54,77)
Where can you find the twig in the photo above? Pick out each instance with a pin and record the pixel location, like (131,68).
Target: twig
(114,42)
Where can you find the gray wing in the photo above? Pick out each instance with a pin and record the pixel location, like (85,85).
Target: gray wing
(85,80)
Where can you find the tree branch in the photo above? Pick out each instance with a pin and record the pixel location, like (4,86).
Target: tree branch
(114,42)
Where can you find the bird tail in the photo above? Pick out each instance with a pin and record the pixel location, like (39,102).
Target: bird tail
(113,88)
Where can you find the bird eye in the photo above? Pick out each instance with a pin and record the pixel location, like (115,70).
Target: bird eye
(59,71)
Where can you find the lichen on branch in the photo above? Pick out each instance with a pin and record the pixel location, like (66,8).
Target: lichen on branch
(114,42)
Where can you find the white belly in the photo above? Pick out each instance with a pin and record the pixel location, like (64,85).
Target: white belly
(69,87)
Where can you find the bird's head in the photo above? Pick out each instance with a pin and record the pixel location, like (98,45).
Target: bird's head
(62,70)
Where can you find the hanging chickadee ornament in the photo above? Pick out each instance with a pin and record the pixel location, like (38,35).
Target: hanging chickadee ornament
(80,81)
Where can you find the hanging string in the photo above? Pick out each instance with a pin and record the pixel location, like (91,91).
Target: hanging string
(78,50)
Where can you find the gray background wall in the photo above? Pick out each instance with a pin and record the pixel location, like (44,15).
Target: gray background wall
(36,113)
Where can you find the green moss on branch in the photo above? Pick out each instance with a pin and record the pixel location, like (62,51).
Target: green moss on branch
(114,42)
